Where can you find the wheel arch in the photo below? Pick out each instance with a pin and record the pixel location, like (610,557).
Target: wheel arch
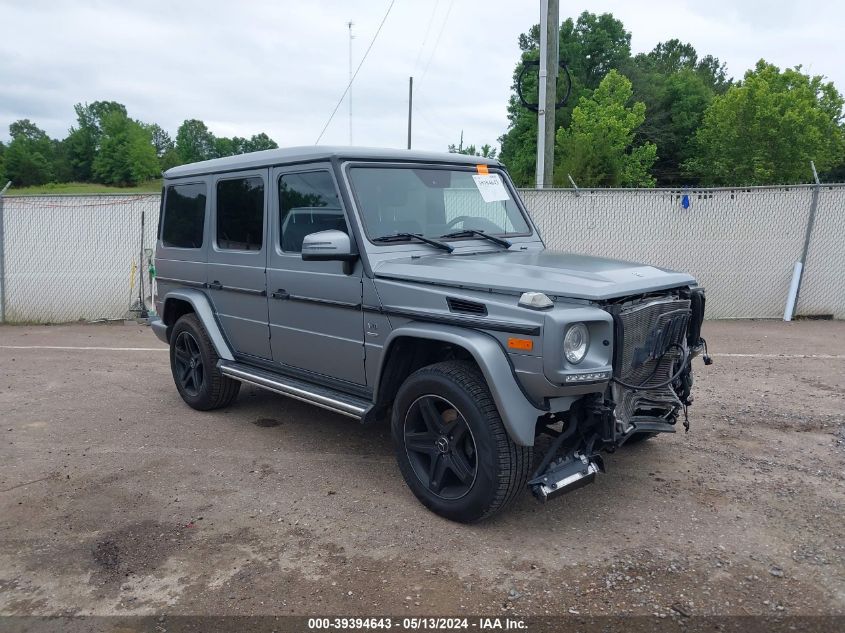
(417,344)
(184,301)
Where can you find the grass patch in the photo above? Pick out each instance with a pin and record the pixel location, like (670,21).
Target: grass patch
(82,188)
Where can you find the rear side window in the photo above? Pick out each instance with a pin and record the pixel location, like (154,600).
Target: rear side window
(240,214)
(184,216)
(308,203)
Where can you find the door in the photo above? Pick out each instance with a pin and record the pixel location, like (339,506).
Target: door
(316,321)
(237,260)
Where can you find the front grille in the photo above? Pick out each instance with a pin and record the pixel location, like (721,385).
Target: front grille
(645,355)
(644,341)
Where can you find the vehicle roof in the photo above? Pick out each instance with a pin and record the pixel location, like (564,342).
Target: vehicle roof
(281,156)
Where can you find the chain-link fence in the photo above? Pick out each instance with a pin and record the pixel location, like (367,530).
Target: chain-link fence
(65,258)
(69,258)
(741,244)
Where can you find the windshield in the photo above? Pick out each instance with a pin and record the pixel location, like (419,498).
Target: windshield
(434,202)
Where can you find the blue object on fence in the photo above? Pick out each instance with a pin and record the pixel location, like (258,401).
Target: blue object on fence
(685,201)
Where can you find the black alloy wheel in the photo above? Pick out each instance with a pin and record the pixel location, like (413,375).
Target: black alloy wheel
(451,445)
(193,362)
(440,447)
(190,371)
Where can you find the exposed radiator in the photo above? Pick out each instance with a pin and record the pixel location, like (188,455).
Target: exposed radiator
(645,356)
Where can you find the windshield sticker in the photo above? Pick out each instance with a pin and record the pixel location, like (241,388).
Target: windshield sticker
(491,187)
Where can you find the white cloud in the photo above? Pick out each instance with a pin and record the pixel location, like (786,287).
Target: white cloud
(280,67)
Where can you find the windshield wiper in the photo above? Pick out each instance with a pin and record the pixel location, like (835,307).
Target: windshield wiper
(395,237)
(478,233)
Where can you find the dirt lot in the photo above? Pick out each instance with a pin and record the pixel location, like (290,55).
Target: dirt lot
(116,498)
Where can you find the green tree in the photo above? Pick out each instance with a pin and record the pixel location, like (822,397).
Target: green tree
(485,151)
(834,174)
(29,156)
(224,146)
(61,166)
(83,140)
(169,159)
(598,148)
(590,46)
(160,138)
(194,142)
(2,165)
(237,145)
(164,146)
(676,87)
(767,128)
(674,56)
(258,143)
(126,154)
(593,46)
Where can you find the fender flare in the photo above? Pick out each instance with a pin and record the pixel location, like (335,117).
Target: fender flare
(518,414)
(202,308)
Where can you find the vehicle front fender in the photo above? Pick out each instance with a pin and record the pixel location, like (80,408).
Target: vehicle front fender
(202,308)
(518,414)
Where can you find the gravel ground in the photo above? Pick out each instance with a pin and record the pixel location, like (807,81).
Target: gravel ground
(117,499)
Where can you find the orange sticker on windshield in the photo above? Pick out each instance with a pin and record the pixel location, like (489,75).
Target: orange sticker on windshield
(482,169)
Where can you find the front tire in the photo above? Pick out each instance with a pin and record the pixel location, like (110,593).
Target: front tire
(453,450)
(193,362)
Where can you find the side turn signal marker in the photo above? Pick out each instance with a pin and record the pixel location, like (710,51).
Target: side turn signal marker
(522,344)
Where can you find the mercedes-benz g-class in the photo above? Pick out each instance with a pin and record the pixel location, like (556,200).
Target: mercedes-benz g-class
(414,286)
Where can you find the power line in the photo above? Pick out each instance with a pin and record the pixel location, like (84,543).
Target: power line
(425,37)
(437,41)
(424,103)
(363,59)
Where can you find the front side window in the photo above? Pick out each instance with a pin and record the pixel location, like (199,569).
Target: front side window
(184,216)
(434,202)
(240,214)
(308,203)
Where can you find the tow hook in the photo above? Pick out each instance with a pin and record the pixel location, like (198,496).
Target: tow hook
(566,476)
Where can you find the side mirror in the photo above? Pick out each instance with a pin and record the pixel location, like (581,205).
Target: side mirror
(328,246)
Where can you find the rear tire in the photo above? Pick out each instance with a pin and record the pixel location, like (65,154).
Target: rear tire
(193,363)
(452,448)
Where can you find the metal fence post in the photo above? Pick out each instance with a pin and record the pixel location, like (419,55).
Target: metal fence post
(814,205)
(3,258)
(142,305)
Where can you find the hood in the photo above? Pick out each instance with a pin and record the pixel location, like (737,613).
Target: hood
(554,273)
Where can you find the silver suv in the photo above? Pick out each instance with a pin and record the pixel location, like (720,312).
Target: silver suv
(413,286)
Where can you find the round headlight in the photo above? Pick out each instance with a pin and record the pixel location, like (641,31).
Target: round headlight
(575,343)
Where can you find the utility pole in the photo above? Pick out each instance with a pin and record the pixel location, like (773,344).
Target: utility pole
(410,107)
(549,25)
(349,94)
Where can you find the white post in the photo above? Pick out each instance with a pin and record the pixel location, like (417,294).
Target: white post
(793,291)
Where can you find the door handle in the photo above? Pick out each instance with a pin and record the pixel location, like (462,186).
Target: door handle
(281,293)
(215,285)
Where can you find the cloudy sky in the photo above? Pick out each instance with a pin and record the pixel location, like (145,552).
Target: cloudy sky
(281,66)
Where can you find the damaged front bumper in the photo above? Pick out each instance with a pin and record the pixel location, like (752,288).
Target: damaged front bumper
(566,477)
(573,458)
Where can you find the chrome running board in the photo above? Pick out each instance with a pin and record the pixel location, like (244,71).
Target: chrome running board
(317,395)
